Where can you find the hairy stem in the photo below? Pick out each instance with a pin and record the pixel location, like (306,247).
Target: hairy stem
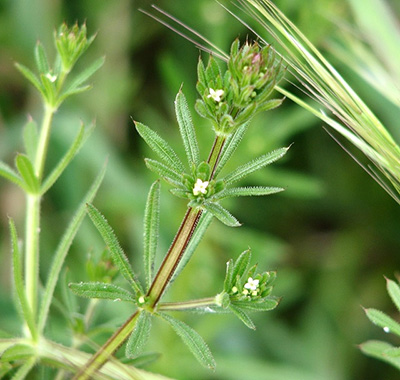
(187,305)
(162,278)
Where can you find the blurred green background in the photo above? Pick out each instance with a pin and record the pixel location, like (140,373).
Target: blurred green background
(331,236)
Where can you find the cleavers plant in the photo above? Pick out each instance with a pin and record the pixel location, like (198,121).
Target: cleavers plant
(229,99)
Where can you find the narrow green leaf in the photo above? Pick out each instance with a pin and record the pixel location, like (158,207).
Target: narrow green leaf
(186,129)
(230,147)
(241,264)
(193,341)
(166,173)
(17,352)
(140,335)
(394,292)
(228,276)
(19,282)
(117,254)
(202,225)
(31,137)
(25,368)
(252,166)
(265,304)
(28,74)
(67,94)
(49,90)
(270,105)
(27,173)
(246,191)
(67,158)
(151,230)
(63,249)
(160,147)
(101,290)
(242,316)
(378,349)
(221,214)
(8,173)
(382,320)
(85,75)
(180,193)
(41,59)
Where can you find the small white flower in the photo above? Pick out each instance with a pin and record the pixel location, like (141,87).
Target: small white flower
(216,95)
(52,78)
(200,187)
(252,284)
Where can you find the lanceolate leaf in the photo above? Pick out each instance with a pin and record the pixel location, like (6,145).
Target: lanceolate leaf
(242,316)
(241,264)
(382,320)
(41,59)
(151,229)
(117,254)
(265,304)
(69,155)
(394,292)
(228,276)
(170,176)
(186,129)
(63,248)
(19,282)
(28,74)
(221,214)
(230,147)
(246,191)
(27,172)
(11,175)
(160,147)
(193,340)
(101,290)
(252,166)
(378,350)
(139,336)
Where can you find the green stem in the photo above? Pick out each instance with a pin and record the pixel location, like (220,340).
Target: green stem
(162,278)
(32,220)
(112,344)
(187,305)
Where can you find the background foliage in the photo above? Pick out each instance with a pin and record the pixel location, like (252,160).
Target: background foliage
(331,236)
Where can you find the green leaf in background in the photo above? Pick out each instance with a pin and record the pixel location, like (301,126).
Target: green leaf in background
(27,172)
(186,129)
(31,137)
(139,336)
(394,292)
(19,282)
(42,63)
(380,319)
(242,316)
(118,256)
(101,290)
(254,165)
(378,350)
(193,341)
(67,158)
(246,191)
(151,230)
(221,214)
(8,173)
(160,147)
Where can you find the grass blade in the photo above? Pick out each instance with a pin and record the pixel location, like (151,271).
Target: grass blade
(151,230)
(63,248)
(117,254)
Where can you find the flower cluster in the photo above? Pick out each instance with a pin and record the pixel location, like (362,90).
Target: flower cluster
(232,98)
(254,288)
